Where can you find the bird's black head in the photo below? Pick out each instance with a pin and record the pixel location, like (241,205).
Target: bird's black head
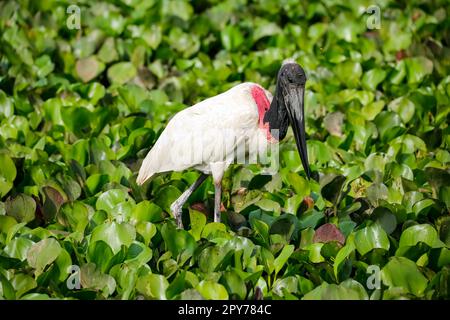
(290,99)
(292,73)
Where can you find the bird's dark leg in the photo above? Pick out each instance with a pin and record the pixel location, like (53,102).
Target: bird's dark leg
(217,198)
(177,206)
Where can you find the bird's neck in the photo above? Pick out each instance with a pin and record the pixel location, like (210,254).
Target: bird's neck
(276,116)
(263,104)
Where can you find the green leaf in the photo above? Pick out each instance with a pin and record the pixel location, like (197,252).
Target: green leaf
(347,290)
(181,9)
(231,37)
(211,290)
(95,182)
(211,258)
(138,254)
(234,284)
(74,215)
(77,120)
(444,195)
(268,260)
(310,219)
(417,68)
(114,234)
(109,200)
(5,186)
(22,208)
(153,286)
(437,178)
(198,222)
(420,233)
(146,211)
(133,95)
(89,68)
(100,253)
(264,29)
(404,107)
(284,225)
(35,296)
(8,169)
(373,78)
(299,184)
(7,290)
(389,125)
(147,230)
(108,52)
(126,278)
(63,262)
(403,273)
(423,206)
(283,257)
(18,248)
(333,189)
(371,110)
(261,228)
(305,285)
(377,192)
(7,110)
(43,253)
(7,174)
(121,72)
(166,196)
(23,283)
(306,237)
(342,255)
(315,250)
(190,294)
(92,278)
(269,205)
(43,66)
(318,152)
(286,287)
(6,222)
(371,237)
(385,218)
(214,230)
(179,242)
(96,92)
(444,230)
(349,73)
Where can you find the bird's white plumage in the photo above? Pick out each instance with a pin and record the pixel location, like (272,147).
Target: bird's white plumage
(206,135)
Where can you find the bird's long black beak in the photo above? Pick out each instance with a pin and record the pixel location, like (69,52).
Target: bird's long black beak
(294,100)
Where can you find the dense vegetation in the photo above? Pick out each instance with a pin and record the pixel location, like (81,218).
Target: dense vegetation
(79,109)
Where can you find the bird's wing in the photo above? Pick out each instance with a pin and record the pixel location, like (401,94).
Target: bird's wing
(204,133)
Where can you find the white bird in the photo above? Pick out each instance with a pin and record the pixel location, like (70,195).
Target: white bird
(238,123)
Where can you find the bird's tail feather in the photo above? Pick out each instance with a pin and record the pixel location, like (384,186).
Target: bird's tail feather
(143,176)
(145,173)
(140,180)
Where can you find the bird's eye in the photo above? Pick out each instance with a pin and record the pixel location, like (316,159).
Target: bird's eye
(291,78)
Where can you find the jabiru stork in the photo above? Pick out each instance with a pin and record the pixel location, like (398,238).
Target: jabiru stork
(206,135)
